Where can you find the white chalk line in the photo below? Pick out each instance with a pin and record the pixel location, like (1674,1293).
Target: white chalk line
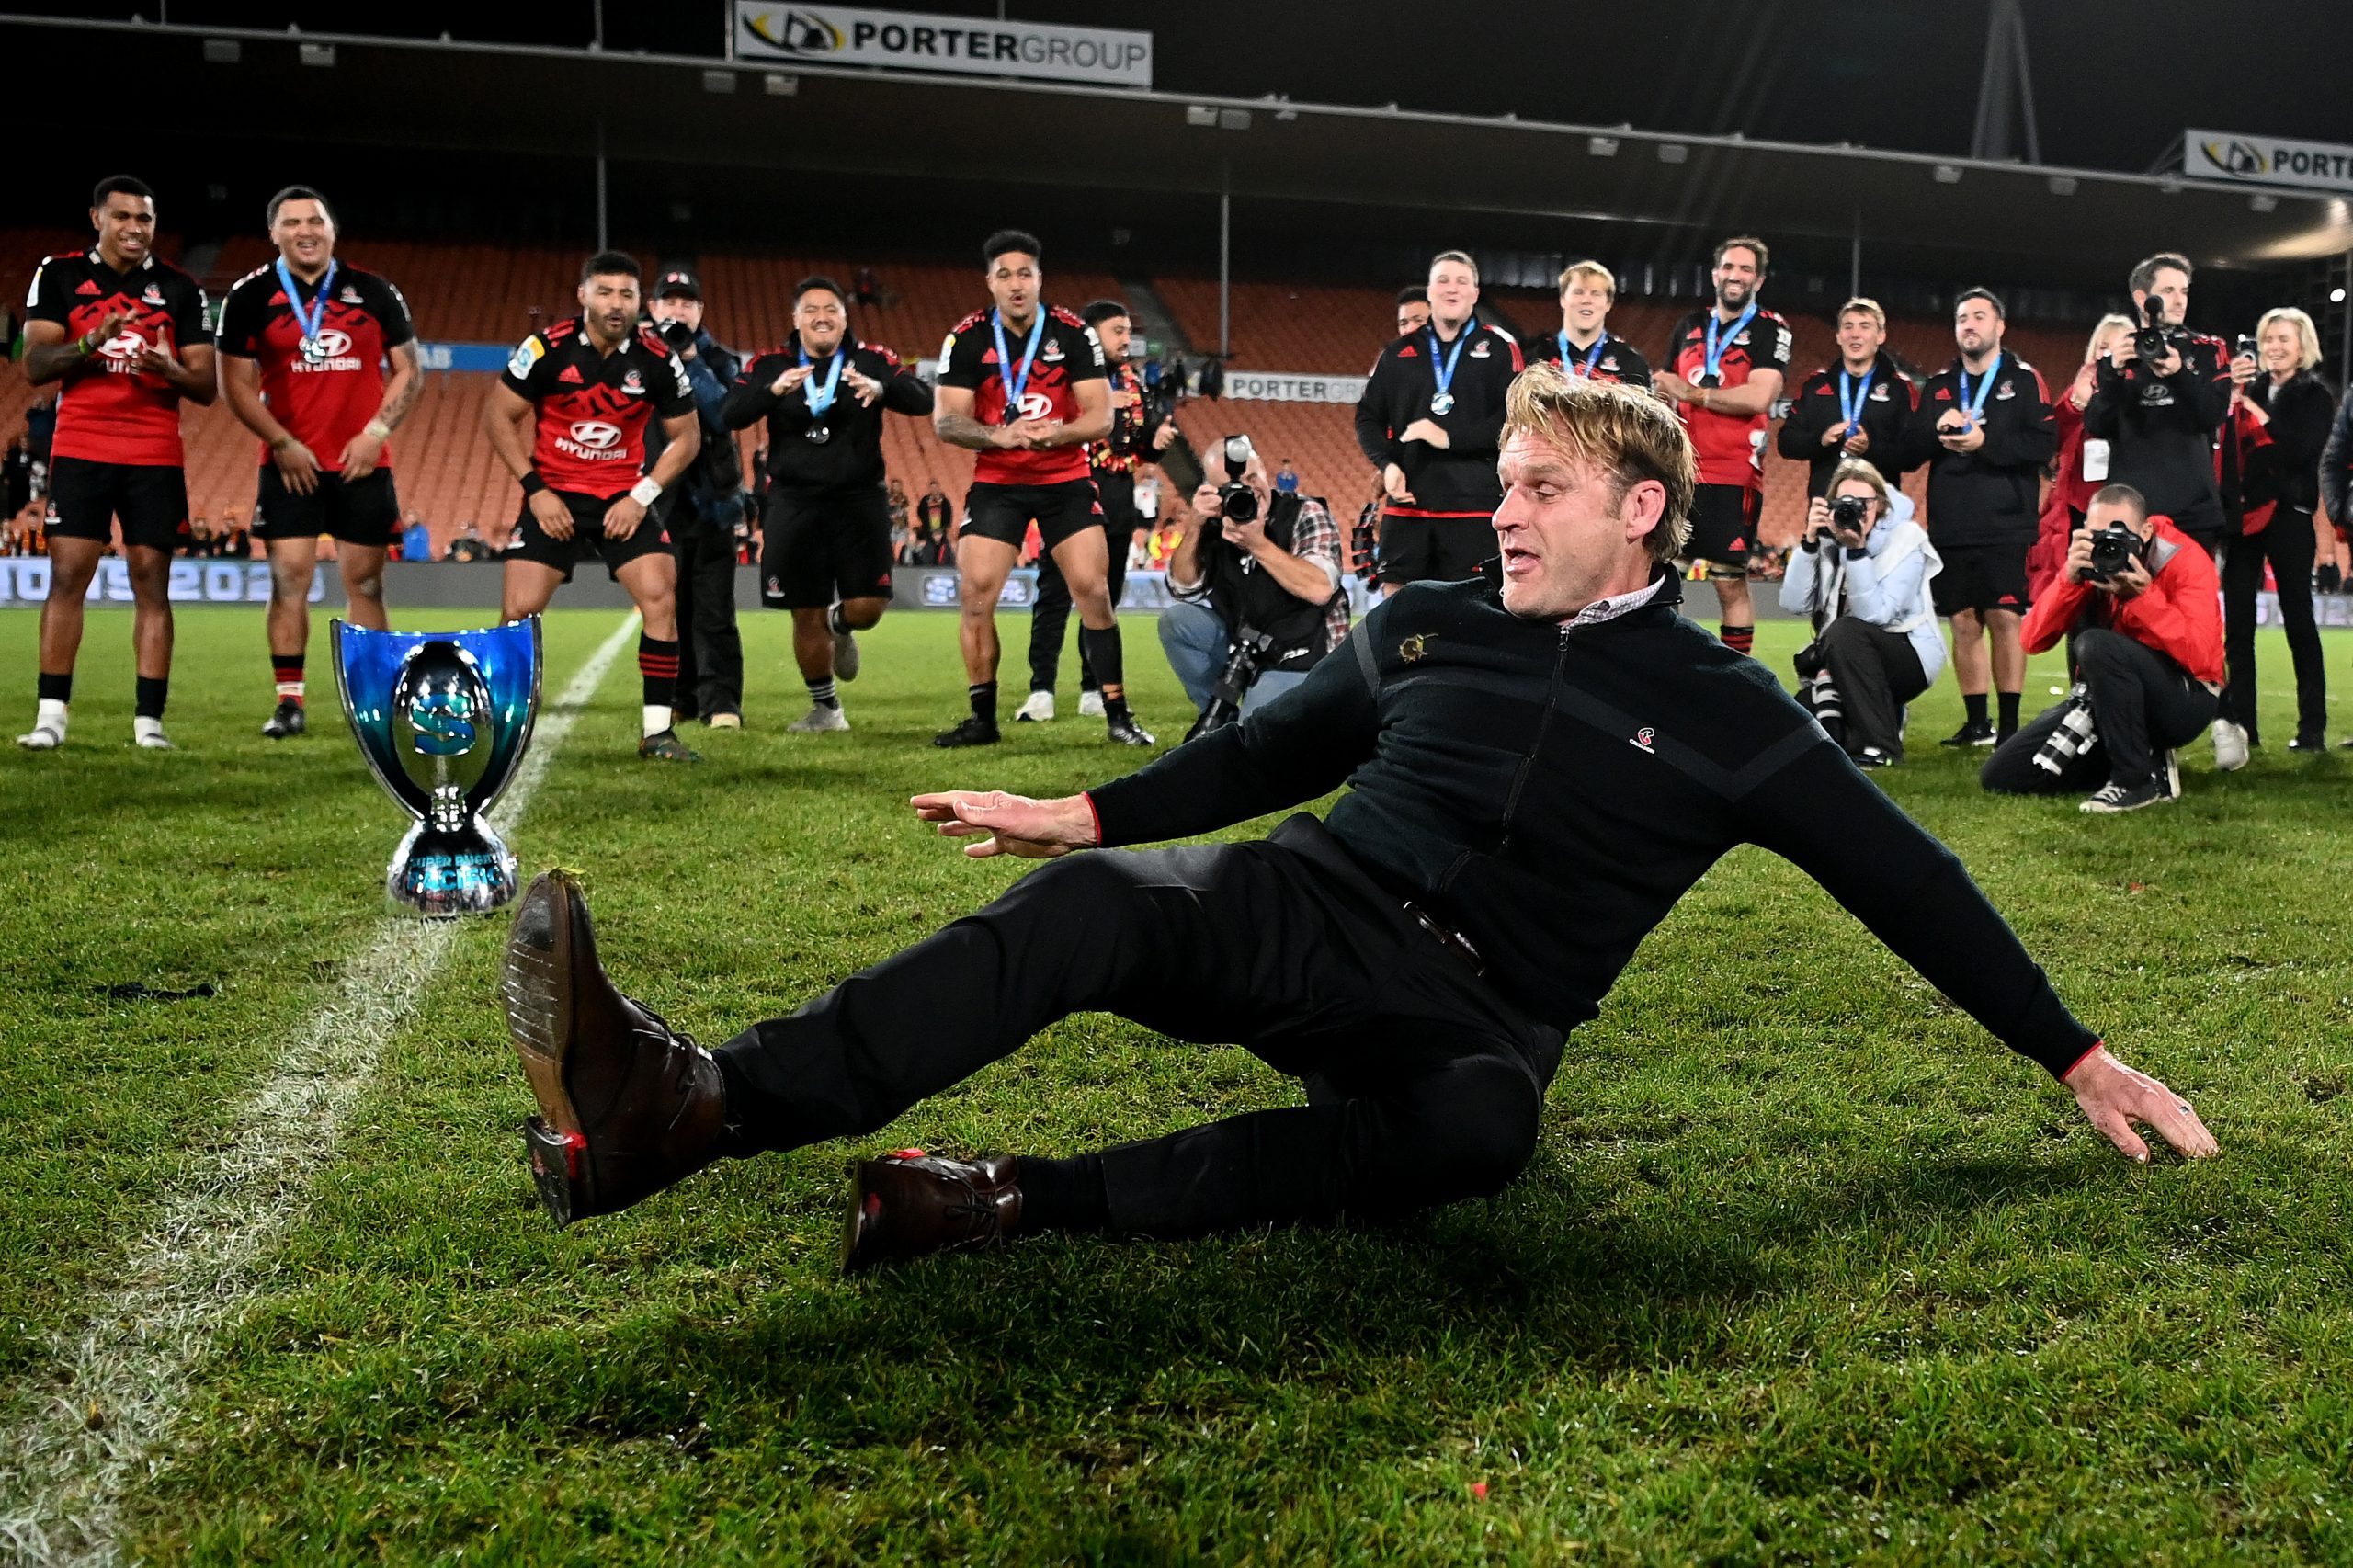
(122,1375)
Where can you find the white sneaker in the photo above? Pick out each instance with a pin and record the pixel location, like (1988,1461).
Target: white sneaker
(2230,746)
(1038,708)
(2173,775)
(819,721)
(41,737)
(154,739)
(1090,705)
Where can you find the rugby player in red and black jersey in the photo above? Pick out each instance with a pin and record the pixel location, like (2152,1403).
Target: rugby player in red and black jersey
(1429,418)
(586,389)
(304,346)
(825,540)
(125,333)
(1024,384)
(1584,346)
(1725,368)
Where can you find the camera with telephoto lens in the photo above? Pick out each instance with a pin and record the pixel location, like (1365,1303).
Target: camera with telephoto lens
(2072,736)
(677,335)
(1236,502)
(1242,660)
(2114,548)
(1850,513)
(2150,340)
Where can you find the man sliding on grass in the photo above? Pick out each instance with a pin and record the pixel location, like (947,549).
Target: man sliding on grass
(1541,761)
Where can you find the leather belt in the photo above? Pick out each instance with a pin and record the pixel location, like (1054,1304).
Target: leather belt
(1447,936)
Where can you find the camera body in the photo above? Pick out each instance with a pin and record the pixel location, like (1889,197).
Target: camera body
(2154,336)
(1236,502)
(1850,513)
(2114,548)
(677,333)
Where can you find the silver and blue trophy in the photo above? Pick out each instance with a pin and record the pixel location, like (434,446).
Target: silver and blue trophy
(443,719)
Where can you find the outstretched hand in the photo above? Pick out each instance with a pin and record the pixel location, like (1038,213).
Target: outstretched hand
(1015,824)
(2116,1097)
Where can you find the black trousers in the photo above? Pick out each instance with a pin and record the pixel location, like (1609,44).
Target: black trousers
(711,650)
(1423,1084)
(1050,616)
(2142,703)
(1876,671)
(2289,545)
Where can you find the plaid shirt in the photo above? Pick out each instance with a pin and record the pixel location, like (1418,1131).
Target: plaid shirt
(1313,537)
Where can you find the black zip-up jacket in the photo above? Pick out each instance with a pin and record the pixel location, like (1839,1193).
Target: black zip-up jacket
(1993,495)
(1886,418)
(1459,479)
(2287,470)
(2336,466)
(1551,791)
(2160,431)
(851,456)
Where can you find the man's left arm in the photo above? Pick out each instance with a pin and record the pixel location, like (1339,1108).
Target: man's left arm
(2028,436)
(2203,384)
(1823,815)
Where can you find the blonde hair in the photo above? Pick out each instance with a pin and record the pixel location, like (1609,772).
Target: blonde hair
(2091,348)
(1630,435)
(1860,306)
(1589,269)
(1463,257)
(1858,468)
(2307,334)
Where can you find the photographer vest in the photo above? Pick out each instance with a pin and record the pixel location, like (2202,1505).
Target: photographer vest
(1244,594)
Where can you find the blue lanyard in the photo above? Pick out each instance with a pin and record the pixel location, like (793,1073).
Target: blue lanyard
(821,395)
(307,325)
(1445,373)
(1716,345)
(1852,406)
(1014,383)
(1972,408)
(1590,359)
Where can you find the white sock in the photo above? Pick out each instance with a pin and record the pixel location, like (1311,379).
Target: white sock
(144,729)
(658,718)
(49,715)
(290,688)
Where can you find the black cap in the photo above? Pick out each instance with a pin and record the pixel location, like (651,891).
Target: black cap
(676,282)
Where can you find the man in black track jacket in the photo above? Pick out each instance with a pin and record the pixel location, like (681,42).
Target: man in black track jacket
(1541,761)
(1859,407)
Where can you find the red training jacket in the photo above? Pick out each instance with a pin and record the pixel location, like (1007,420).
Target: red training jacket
(2179,613)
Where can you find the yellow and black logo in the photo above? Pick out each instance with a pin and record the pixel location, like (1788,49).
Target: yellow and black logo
(1415,647)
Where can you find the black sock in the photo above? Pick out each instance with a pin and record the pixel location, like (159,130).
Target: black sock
(983,695)
(1974,703)
(55,688)
(657,667)
(1062,1195)
(2007,706)
(823,694)
(149,703)
(1103,657)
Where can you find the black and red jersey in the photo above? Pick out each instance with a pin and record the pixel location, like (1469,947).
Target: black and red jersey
(325,397)
(110,410)
(1731,446)
(593,407)
(1068,353)
(1619,361)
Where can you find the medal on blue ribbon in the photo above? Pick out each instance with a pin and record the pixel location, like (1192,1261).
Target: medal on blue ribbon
(1973,407)
(307,325)
(1720,338)
(1568,361)
(820,394)
(1015,382)
(1850,402)
(1444,401)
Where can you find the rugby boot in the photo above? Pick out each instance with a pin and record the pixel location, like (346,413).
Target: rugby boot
(627,1104)
(911,1204)
(974,731)
(1121,727)
(286,721)
(665,746)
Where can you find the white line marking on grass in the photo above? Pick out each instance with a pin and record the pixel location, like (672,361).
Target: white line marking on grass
(126,1369)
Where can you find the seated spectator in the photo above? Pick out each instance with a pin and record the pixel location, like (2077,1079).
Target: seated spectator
(935,511)
(2148,654)
(417,540)
(1863,584)
(1287,480)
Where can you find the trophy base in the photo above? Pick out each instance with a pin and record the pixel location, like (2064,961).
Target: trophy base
(442,873)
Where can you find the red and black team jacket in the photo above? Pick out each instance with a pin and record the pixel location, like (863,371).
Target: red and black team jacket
(1068,353)
(1459,479)
(322,400)
(1619,361)
(2161,431)
(110,411)
(1731,448)
(850,456)
(1993,495)
(593,407)
(1886,419)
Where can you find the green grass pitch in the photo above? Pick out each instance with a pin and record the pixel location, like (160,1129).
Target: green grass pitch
(1806,1269)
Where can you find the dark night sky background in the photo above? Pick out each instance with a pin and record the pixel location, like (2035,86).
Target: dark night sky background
(2115,80)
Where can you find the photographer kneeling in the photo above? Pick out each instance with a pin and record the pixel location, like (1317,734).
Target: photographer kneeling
(1258,597)
(2143,602)
(1863,583)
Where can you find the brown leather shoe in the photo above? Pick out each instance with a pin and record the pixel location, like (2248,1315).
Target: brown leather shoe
(910,1204)
(627,1105)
